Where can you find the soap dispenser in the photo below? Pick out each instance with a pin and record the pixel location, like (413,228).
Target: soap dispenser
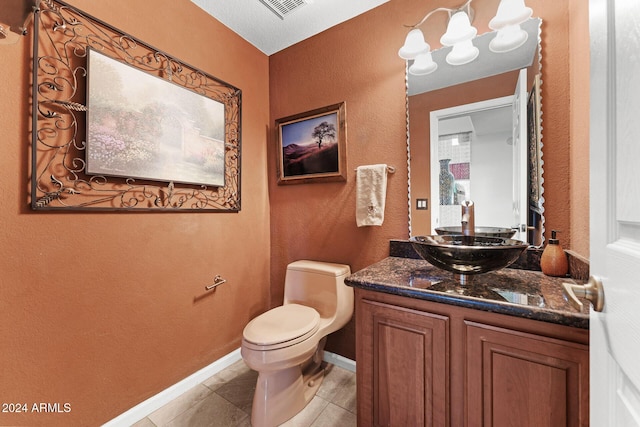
(554,261)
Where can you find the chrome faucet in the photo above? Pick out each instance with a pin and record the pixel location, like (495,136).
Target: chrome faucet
(468,219)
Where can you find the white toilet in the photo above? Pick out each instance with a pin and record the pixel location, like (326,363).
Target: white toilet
(285,344)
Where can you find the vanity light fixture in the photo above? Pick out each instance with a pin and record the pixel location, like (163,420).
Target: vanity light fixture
(511,13)
(460,35)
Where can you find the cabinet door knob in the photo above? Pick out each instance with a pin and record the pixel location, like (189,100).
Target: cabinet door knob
(591,291)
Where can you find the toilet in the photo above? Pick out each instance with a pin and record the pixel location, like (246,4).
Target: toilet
(285,344)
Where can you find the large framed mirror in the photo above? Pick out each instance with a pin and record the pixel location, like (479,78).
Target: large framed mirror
(474,133)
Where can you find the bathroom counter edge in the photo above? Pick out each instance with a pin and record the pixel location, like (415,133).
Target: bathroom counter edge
(538,297)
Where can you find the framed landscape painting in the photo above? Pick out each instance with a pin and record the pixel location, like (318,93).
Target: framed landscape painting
(141,126)
(311,146)
(118,125)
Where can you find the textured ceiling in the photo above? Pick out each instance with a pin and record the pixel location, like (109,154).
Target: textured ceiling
(261,27)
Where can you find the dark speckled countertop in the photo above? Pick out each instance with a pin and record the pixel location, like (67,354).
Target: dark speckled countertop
(515,292)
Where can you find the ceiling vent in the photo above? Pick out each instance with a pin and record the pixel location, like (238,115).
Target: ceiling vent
(282,8)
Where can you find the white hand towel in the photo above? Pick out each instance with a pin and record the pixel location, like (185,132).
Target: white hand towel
(371,192)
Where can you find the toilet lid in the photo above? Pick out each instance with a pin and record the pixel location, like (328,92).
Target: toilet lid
(282,324)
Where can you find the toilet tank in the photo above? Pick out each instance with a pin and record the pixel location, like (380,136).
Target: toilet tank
(318,285)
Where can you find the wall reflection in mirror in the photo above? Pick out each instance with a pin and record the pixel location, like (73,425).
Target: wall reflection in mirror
(475,134)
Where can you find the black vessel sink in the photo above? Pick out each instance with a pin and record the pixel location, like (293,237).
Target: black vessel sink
(468,255)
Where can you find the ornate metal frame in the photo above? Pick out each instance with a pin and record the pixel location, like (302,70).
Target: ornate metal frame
(62,38)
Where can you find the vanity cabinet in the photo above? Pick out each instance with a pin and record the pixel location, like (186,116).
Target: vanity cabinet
(403,360)
(423,363)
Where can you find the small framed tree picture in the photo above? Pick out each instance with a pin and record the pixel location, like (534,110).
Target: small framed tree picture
(312,146)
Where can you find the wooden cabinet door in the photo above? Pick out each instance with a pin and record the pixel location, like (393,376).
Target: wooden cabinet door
(520,379)
(402,370)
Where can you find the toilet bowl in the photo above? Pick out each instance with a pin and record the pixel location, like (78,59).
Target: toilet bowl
(285,344)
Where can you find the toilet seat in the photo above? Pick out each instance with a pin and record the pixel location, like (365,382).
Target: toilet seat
(281,327)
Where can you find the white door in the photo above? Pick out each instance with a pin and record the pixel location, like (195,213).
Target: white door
(615,211)
(519,135)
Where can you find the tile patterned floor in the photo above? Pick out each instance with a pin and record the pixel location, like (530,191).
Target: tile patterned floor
(224,400)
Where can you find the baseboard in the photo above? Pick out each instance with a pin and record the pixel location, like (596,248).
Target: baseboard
(150,405)
(154,403)
(340,361)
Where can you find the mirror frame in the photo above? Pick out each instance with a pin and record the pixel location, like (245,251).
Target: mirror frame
(534,136)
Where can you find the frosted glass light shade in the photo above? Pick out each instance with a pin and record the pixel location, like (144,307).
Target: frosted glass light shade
(508,38)
(414,45)
(462,53)
(423,65)
(458,30)
(510,12)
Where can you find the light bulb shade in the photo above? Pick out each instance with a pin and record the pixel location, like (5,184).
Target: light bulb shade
(508,38)
(414,45)
(423,65)
(510,12)
(462,53)
(458,30)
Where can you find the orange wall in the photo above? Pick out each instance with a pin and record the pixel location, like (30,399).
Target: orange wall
(104,310)
(357,62)
(579,99)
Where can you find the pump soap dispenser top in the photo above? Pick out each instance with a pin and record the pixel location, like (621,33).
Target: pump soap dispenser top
(554,261)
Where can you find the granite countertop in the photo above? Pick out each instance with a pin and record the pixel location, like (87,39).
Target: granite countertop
(515,292)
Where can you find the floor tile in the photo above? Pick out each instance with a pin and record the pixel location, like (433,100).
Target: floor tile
(333,416)
(345,395)
(240,390)
(308,415)
(145,422)
(225,400)
(226,375)
(179,405)
(213,411)
(334,378)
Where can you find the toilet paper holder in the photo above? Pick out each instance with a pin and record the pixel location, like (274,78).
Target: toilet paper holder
(217,281)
